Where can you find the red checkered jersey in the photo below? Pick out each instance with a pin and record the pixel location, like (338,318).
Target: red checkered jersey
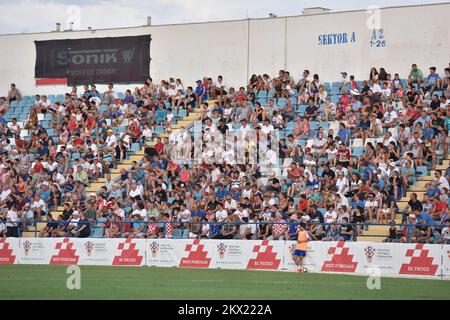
(169,229)
(152,228)
(279,229)
(210,216)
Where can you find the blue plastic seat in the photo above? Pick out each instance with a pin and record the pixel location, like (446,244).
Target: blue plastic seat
(135,147)
(177,234)
(182,113)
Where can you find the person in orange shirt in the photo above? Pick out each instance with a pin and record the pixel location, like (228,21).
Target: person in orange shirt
(301,247)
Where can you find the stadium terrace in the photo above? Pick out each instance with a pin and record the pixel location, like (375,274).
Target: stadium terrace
(353,159)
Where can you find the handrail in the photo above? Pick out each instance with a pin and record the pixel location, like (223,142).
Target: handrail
(95,224)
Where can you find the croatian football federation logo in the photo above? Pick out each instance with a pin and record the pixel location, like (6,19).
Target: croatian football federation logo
(370,253)
(89,248)
(27,247)
(222,249)
(154,247)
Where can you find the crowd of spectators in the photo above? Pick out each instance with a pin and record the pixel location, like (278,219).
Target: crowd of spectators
(336,156)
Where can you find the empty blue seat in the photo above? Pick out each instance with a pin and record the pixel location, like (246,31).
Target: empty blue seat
(358,151)
(75,156)
(422,171)
(313,125)
(281,102)
(177,233)
(301,109)
(135,147)
(158,130)
(182,113)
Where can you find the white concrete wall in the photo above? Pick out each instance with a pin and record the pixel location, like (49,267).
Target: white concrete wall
(237,49)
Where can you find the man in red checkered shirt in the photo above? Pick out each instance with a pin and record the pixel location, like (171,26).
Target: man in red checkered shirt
(279,228)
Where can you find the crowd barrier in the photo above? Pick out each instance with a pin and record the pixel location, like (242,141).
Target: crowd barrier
(357,258)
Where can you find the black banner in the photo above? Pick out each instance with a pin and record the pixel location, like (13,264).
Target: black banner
(95,60)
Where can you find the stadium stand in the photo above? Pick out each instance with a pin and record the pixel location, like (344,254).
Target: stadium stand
(345,157)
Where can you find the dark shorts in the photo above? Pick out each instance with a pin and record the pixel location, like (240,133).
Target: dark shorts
(300,253)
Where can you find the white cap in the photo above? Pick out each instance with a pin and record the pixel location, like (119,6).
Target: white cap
(76,213)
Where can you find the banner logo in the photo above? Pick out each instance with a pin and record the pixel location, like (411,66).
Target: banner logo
(6,254)
(370,253)
(197,258)
(89,248)
(420,263)
(27,247)
(341,260)
(66,255)
(265,258)
(129,255)
(222,249)
(154,248)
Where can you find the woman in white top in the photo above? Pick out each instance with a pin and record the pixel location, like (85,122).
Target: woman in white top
(12,225)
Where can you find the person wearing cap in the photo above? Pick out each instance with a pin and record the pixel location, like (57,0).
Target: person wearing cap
(73,223)
(27,216)
(111,141)
(83,226)
(410,233)
(394,234)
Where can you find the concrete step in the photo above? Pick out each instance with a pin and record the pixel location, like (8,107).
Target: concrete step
(29,234)
(377,232)
(55,214)
(402,205)
(370,239)
(420,184)
(94,187)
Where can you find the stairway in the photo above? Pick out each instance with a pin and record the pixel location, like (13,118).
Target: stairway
(379,233)
(186,122)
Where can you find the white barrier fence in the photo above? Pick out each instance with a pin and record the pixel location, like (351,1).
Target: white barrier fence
(409,260)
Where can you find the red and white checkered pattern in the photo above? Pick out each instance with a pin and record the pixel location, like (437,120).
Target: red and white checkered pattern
(279,229)
(337,250)
(418,251)
(64,245)
(126,245)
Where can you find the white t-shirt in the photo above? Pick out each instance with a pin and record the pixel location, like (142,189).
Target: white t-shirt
(330,217)
(94,149)
(443,183)
(12,218)
(40,203)
(342,185)
(390,116)
(231,204)
(147,133)
(247,193)
(371,204)
(135,193)
(111,141)
(96,100)
(94,167)
(221,215)
(185,215)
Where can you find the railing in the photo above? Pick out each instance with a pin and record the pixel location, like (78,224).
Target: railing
(179,225)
